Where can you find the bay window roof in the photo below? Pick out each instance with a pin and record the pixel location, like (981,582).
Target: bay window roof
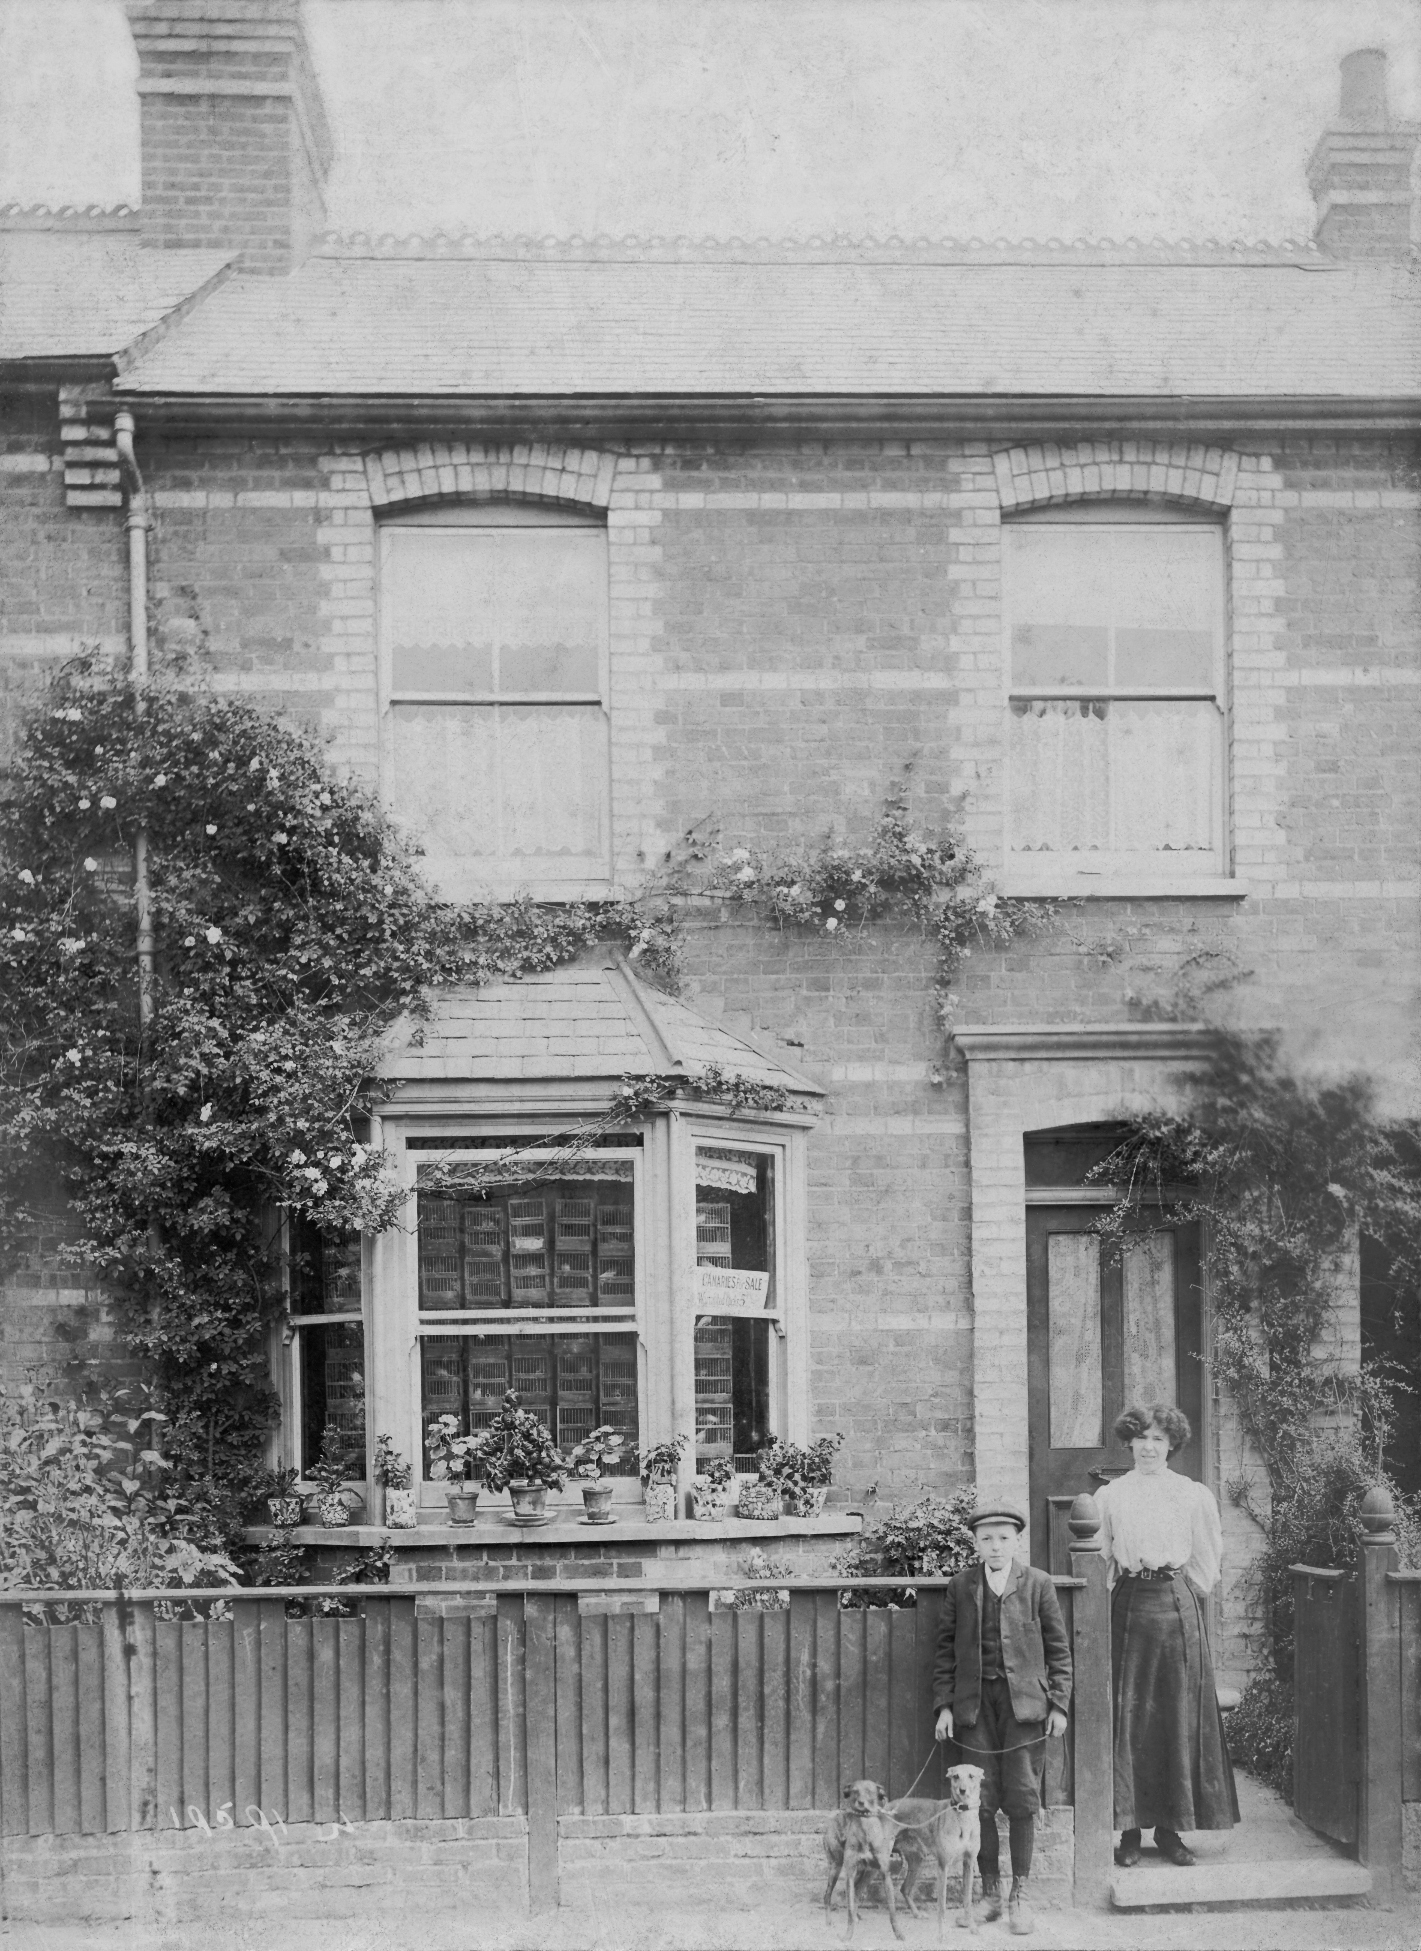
(592,1018)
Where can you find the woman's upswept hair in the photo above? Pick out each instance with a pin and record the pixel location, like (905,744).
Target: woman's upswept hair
(1163,1415)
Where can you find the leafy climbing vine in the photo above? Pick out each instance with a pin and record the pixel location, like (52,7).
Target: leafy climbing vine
(1286,1173)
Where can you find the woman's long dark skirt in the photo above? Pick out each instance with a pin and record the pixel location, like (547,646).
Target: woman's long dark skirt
(1172,1767)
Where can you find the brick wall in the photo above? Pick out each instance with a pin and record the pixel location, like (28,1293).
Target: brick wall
(790,626)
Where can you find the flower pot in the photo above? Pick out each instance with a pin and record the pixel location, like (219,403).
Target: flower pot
(285,1510)
(332,1510)
(530,1503)
(808,1501)
(659,1501)
(400,1510)
(710,1502)
(759,1501)
(597,1502)
(463,1504)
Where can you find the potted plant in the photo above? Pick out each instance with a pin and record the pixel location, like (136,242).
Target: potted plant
(588,1461)
(392,1481)
(277,1489)
(659,1465)
(761,1499)
(803,1475)
(454,1460)
(710,1492)
(333,1495)
(524,1460)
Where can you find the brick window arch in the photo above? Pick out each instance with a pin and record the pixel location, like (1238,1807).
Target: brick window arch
(1102,470)
(473,471)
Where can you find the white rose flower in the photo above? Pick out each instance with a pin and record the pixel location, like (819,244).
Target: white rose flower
(204,1114)
(210,830)
(214,935)
(85,804)
(27,877)
(108,802)
(161,779)
(91,866)
(831,924)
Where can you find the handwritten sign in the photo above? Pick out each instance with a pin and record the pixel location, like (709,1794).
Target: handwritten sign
(730,1290)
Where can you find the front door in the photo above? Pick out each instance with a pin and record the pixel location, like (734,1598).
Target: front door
(1103,1331)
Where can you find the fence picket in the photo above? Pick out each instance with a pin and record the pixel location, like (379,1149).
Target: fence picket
(512,1708)
(799,1703)
(454,1715)
(483,1710)
(403,1732)
(749,1715)
(300,1732)
(220,1717)
(774,1695)
(852,1658)
(350,1706)
(905,1754)
(827,1773)
(117,1807)
(39,1770)
(696,1702)
(246,1710)
(594,1714)
(720,1714)
(64,1725)
(143,1716)
(646,1710)
(877,1695)
(671,1668)
(541,1679)
(271,1756)
(1411,1693)
(429,1718)
(375,1711)
(567,1703)
(14,1718)
(325,1721)
(620,1733)
(171,1703)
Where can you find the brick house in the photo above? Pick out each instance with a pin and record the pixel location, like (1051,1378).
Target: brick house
(1118,547)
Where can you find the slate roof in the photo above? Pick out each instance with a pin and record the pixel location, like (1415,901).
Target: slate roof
(69,295)
(1295,327)
(588,1019)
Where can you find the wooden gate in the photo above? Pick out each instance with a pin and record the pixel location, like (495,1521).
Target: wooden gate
(1326,1745)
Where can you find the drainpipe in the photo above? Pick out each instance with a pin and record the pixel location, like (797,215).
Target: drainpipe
(138,524)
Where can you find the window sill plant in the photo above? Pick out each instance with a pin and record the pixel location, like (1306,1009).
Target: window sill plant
(277,1489)
(802,1475)
(523,1459)
(334,1496)
(660,1463)
(454,1460)
(711,1492)
(588,1460)
(394,1498)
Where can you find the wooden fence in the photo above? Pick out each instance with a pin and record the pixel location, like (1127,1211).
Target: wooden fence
(455,1701)
(1357,1697)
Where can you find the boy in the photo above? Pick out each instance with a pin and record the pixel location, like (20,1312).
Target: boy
(1001,1686)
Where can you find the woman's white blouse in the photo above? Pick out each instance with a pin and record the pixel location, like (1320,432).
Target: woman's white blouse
(1153,1518)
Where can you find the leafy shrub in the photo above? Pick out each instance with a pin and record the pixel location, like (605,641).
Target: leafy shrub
(929,1539)
(1260,1732)
(760,1565)
(85,1506)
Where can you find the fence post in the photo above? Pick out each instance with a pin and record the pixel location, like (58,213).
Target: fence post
(1094,1789)
(1379,1703)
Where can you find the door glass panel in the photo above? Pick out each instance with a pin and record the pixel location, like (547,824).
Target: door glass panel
(1148,1278)
(1077,1405)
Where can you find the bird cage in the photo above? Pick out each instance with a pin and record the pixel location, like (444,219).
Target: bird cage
(713,1233)
(572,1280)
(532,1377)
(529,1274)
(487,1368)
(574,1224)
(616,1282)
(527,1226)
(439,1253)
(617,1390)
(715,1405)
(485,1274)
(614,1230)
(442,1375)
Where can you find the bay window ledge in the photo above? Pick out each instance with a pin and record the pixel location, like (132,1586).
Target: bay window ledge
(501,1531)
(1019,885)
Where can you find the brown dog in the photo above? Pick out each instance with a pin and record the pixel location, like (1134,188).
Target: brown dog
(861,1832)
(948,1833)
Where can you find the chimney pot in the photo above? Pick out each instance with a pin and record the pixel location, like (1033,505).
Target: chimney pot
(1363,103)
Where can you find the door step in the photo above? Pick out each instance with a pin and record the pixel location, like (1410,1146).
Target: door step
(1239,1883)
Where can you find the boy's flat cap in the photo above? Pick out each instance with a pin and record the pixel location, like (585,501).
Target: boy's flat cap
(999,1511)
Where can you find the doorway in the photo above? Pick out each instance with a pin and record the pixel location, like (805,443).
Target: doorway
(1104,1330)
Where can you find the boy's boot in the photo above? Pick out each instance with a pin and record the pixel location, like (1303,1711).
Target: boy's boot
(991,1896)
(1019,1919)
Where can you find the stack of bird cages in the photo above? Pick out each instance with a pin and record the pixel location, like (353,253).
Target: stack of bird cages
(345,1394)
(616,1256)
(486,1365)
(485,1268)
(572,1275)
(616,1362)
(577,1389)
(528,1254)
(442,1375)
(713,1232)
(439,1252)
(715,1401)
(531,1363)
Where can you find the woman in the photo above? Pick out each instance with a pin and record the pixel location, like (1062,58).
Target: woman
(1162,1541)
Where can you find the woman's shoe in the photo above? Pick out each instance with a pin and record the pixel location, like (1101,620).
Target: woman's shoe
(1172,1849)
(1127,1850)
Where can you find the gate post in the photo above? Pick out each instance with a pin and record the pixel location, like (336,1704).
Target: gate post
(1092,1715)
(1379,1702)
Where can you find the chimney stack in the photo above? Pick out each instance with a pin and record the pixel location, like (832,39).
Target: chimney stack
(236,146)
(1360,172)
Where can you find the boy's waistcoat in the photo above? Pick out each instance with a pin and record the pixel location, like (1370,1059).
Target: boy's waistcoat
(1035,1651)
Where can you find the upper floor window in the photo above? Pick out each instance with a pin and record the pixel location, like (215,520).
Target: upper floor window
(1116,693)
(493,642)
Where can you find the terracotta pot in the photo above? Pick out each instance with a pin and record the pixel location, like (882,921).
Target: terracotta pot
(401,1513)
(759,1501)
(530,1503)
(463,1503)
(597,1502)
(285,1510)
(659,1502)
(333,1511)
(710,1502)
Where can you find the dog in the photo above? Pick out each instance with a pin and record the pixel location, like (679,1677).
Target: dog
(861,1832)
(948,1833)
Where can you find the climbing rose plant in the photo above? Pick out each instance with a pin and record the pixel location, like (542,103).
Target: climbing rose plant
(291,928)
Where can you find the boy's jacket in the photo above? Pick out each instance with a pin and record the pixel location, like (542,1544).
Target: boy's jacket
(1035,1651)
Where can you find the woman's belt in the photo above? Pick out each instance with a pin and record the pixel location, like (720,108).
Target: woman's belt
(1154,1571)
